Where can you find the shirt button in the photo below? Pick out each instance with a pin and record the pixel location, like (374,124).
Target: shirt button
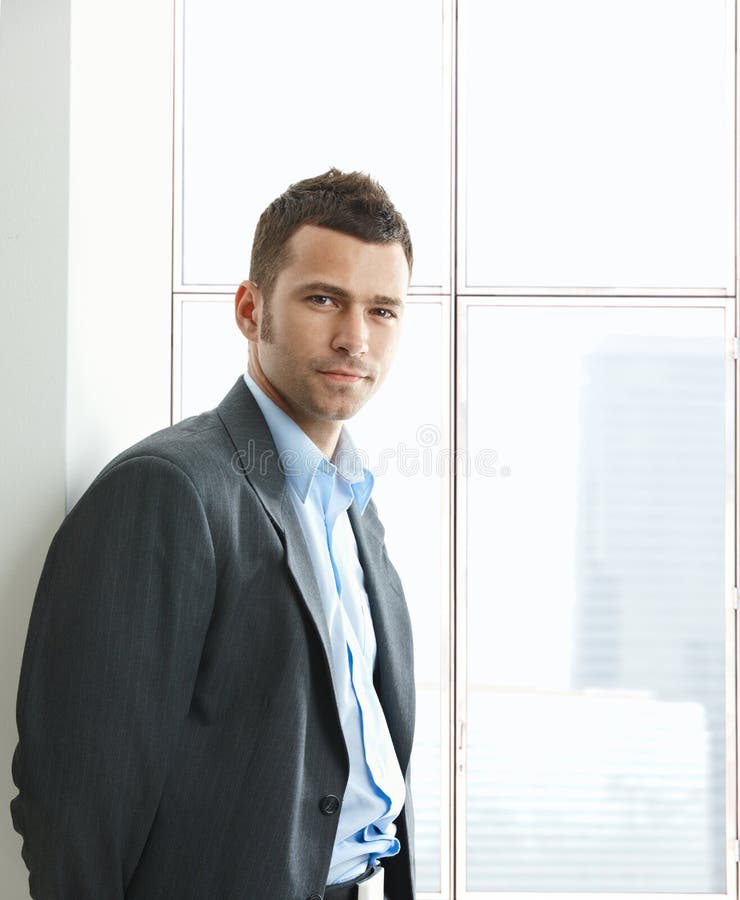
(329,804)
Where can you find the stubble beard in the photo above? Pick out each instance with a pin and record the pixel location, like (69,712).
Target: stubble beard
(266,328)
(306,399)
(335,402)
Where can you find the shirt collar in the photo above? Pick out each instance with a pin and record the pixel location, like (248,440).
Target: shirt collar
(300,459)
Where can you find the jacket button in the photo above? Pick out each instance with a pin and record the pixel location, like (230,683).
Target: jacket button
(329,805)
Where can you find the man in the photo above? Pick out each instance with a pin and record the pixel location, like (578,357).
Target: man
(216,698)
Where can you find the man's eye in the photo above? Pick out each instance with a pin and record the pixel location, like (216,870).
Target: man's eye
(384,313)
(321,300)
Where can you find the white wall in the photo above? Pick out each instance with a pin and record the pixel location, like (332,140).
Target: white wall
(120,271)
(85,263)
(34,122)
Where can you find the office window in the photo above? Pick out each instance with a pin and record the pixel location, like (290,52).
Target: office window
(273,91)
(597,144)
(597,651)
(556,449)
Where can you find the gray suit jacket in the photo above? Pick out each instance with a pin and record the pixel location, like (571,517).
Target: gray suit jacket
(178,726)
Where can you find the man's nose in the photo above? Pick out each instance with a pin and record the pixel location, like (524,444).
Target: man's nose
(352,333)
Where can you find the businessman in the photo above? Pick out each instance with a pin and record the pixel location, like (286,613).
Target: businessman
(216,700)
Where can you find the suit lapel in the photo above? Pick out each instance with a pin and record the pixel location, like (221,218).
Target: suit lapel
(394,665)
(257,459)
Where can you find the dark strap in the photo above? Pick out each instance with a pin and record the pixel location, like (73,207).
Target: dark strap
(347,890)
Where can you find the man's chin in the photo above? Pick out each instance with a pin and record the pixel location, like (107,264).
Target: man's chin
(344,414)
(340,408)
(338,412)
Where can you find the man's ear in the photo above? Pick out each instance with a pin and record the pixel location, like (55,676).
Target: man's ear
(247,309)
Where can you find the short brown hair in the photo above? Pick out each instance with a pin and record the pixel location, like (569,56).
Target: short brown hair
(350,202)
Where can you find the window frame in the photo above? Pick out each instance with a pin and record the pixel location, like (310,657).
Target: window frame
(453,866)
(732,693)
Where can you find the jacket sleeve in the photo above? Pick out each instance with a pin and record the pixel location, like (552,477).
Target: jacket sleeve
(400,870)
(111,658)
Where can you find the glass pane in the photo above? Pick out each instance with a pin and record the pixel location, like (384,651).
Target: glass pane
(275,92)
(405,447)
(403,431)
(598,143)
(213,353)
(596,641)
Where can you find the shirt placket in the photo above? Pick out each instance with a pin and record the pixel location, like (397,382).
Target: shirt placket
(336,499)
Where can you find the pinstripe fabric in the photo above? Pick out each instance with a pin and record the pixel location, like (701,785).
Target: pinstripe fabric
(178,727)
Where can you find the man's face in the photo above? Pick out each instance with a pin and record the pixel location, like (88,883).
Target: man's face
(325,339)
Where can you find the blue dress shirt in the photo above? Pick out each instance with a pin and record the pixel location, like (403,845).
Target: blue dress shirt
(322,492)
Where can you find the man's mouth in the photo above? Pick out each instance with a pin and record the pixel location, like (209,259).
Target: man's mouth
(343,376)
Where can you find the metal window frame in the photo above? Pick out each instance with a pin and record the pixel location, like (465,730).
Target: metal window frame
(446,699)
(732,749)
(179,285)
(453,862)
(463,288)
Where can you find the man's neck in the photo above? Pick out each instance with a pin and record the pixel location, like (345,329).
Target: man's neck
(323,433)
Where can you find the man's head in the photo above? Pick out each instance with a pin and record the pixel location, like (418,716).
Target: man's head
(322,310)
(349,202)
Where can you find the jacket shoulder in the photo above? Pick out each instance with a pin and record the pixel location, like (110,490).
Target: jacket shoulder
(193,445)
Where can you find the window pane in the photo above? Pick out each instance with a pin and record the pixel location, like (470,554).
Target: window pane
(598,143)
(275,92)
(596,641)
(405,445)
(213,353)
(404,434)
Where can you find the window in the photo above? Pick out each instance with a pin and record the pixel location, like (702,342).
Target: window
(557,445)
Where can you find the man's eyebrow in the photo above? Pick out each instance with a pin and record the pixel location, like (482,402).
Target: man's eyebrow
(333,290)
(382,300)
(323,287)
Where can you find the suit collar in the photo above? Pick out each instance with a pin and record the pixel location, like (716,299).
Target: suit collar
(300,458)
(394,667)
(255,456)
